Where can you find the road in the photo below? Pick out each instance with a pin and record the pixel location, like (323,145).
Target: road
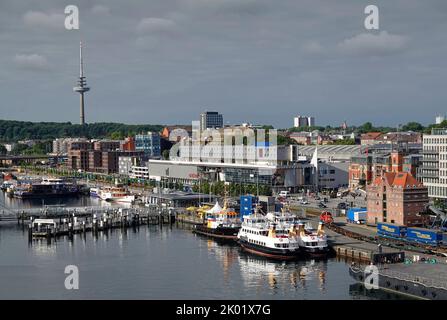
(332,203)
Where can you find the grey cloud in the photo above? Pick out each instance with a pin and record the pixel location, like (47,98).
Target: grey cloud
(155,25)
(374,44)
(313,47)
(36,19)
(31,61)
(100,10)
(261,61)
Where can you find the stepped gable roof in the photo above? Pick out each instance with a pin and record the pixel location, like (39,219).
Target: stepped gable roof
(398,179)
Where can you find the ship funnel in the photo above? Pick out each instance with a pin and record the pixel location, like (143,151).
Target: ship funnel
(320,230)
(301,229)
(272,231)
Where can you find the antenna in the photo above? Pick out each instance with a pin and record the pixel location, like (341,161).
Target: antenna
(81,88)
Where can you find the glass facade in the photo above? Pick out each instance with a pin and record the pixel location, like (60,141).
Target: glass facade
(209,120)
(149,143)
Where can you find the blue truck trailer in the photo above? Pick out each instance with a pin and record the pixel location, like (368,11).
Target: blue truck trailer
(356,215)
(426,236)
(391,230)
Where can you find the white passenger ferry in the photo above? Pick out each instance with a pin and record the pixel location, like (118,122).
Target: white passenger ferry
(312,242)
(261,237)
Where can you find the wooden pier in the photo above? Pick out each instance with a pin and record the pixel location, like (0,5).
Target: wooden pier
(58,221)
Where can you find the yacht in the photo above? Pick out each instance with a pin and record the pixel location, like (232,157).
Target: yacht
(223,223)
(262,237)
(116,193)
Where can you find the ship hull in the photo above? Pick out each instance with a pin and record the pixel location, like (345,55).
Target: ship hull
(277,254)
(229,233)
(315,252)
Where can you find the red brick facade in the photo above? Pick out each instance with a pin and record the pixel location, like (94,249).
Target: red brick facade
(396,197)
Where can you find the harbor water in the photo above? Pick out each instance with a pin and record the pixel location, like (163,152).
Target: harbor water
(156,262)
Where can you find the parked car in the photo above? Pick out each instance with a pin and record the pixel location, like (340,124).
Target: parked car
(342,205)
(284,194)
(304,201)
(322,205)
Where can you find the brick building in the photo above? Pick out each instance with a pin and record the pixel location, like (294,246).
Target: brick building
(364,169)
(396,197)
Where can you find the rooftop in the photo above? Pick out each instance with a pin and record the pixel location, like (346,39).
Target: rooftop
(398,179)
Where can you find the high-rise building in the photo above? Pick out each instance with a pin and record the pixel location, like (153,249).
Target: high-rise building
(434,163)
(149,143)
(303,121)
(210,120)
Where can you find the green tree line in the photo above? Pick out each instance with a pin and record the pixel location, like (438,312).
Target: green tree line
(12,131)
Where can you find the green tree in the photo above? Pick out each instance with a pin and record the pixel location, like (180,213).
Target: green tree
(344,142)
(413,126)
(3,150)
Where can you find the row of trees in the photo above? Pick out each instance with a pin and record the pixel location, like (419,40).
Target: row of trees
(233,189)
(369,127)
(21,130)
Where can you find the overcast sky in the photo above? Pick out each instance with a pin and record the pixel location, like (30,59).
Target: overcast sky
(261,61)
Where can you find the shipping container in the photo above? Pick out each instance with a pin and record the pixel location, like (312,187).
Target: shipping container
(391,230)
(426,236)
(246,205)
(356,215)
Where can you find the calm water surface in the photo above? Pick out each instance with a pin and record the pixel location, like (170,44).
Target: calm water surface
(155,263)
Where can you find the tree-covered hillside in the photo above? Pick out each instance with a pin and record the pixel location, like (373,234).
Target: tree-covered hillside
(21,130)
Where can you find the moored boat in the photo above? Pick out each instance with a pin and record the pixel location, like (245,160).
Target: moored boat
(47,187)
(116,193)
(222,223)
(262,237)
(312,242)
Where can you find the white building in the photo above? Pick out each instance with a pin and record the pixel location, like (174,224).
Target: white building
(434,163)
(439,119)
(303,121)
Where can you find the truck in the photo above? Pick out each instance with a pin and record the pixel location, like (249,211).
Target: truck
(426,236)
(356,215)
(326,217)
(284,194)
(391,230)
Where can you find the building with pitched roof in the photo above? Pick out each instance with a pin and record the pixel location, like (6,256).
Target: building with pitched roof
(396,197)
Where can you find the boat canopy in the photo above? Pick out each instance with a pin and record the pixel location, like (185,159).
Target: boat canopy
(216,209)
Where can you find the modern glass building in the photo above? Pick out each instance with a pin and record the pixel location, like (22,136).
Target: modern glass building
(210,120)
(149,143)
